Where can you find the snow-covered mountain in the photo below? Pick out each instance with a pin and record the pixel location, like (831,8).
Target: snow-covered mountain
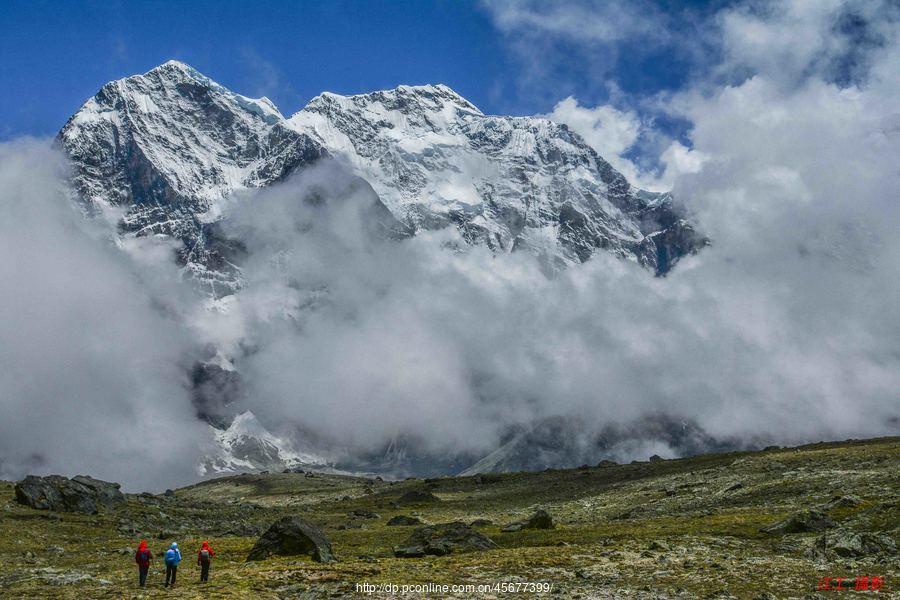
(246,445)
(167,151)
(170,145)
(513,183)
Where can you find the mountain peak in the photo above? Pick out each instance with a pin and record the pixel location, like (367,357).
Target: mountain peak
(175,71)
(176,65)
(439,90)
(403,98)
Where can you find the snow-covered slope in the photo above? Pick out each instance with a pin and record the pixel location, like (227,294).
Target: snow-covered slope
(512,183)
(246,446)
(169,145)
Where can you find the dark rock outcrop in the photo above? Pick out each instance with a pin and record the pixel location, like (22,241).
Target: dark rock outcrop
(291,536)
(802,522)
(488,478)
(105,492)
(80,494)
(404,521)
(539,520)
(442,539)
(417,497)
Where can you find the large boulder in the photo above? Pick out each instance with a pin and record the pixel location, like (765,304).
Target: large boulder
(81,494)
(539,520)
(802,522)
(438,540)
(107,493)
(290,536)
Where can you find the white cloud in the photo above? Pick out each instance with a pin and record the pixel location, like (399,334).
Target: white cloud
(593,22)
(786,328)
(90,376)
(612,133)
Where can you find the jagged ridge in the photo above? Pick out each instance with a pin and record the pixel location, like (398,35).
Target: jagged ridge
(170,145)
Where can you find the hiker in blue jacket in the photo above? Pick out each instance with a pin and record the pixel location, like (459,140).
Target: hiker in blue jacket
(173,557)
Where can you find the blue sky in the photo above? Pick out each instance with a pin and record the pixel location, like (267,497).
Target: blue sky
(57,54)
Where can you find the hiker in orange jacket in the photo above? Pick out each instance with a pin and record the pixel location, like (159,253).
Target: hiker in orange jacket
(204,558)
(142,557)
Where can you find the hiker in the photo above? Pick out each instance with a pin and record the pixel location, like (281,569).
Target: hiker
(142,557)
(173,557)
(204,557)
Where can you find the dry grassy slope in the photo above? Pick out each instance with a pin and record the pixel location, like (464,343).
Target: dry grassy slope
(676,528)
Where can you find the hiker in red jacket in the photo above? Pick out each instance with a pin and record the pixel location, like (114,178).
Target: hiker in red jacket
(142,557)
(204,558)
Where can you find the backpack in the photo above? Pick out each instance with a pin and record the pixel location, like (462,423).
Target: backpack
(170,557)
(204,555)
(144,555)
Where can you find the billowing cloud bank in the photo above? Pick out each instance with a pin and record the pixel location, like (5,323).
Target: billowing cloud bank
(89,363)
(785,329)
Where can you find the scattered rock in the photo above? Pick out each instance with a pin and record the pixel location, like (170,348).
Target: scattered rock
(364,514)
(169,493)
(539,520)
(60,577)
(80,494)
(656,458)
(404,521)
(481,523)
(734,486)
(417,497)
(851,544)
(147,498)
(606,463)
(442,539)
(802,522)
(842,502)
(290,536)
